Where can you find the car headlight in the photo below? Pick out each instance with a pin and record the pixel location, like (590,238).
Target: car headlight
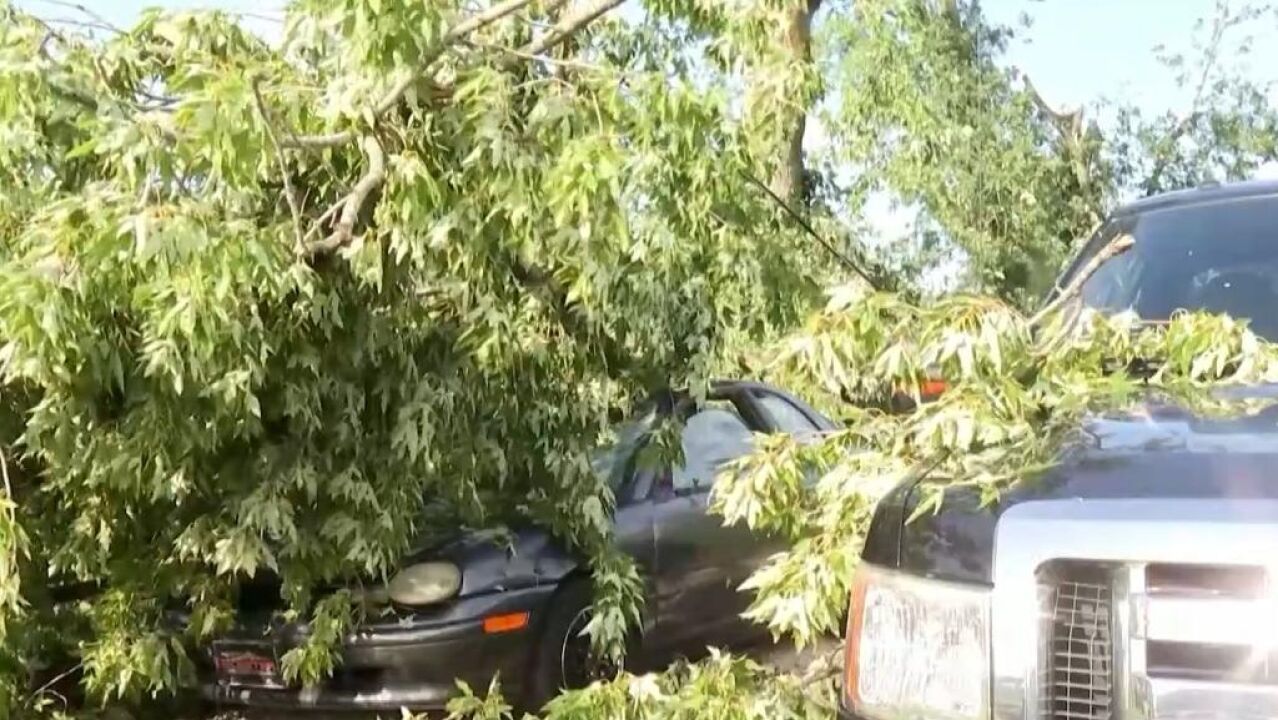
(917,648)
(425,583)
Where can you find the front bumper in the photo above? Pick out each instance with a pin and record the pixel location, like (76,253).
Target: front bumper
(1124,538)
(412,663)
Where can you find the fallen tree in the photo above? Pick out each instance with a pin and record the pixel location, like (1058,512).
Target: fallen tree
(259,300)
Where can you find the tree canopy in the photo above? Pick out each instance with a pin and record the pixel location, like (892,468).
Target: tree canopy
(261,303)
(927,110)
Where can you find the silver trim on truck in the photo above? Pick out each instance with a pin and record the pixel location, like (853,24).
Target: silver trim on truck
(1124,535)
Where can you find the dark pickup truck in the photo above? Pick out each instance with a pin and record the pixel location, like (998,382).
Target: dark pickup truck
(1136,579)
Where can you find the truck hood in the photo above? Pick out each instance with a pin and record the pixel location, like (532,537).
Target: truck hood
(1156,450)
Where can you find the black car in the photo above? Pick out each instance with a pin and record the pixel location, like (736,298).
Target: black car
(1137,578)
(515,606)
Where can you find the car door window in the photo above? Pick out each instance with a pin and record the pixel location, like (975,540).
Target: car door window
(712,437)
(785,416)
(788,418)
(616,464)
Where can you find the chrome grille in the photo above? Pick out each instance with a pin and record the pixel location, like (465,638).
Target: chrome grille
(1042,544)
(1187,636)
(1079,677)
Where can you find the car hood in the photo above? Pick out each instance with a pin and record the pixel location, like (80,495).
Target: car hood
(496,560)
(500,559)
(1155,450)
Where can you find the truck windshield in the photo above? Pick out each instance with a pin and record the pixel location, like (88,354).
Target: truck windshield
(1218,257)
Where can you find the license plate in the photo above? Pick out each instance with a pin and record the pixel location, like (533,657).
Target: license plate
(245,666)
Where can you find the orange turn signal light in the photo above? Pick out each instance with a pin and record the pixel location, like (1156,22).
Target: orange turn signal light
(852,639)
(494,624)
(932,388)
(929,389)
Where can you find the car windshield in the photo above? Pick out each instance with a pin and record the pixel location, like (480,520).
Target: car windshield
(609,461)
(1219,257)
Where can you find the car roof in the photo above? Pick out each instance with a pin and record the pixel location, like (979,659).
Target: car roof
(669,398)
(728,385)
(1206,194)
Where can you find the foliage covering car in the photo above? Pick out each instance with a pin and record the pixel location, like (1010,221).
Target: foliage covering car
(516,604)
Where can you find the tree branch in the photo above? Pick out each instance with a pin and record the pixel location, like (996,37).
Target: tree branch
(352,205)
(82,97)
(290,194)
(802,223)
(354,202)
(1071,129)
(1212,54)
(1067,123)
(328,215)
(8,486)
(550,60)
(575,323)
(76,95)
(35,694)
(396,92)
(83,24)
(1119,245)
(98,20)
(277,19)
(550,8)
(824,667)
(571,23)
(789,179)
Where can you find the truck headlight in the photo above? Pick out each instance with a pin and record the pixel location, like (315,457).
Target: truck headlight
(425,583)
(917,648)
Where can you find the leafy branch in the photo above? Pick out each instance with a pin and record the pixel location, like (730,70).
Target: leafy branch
(395,93)
(353,203)
(1224,20)
(95,20)
(1119,245)
(569,25)
(290,194)
(1017,399)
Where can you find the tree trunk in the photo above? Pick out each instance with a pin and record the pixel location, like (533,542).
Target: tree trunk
(788,180)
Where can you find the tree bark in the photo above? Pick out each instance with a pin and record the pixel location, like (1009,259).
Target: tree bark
(788,180)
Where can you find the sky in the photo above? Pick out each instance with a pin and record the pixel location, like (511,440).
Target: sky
(1080,51)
